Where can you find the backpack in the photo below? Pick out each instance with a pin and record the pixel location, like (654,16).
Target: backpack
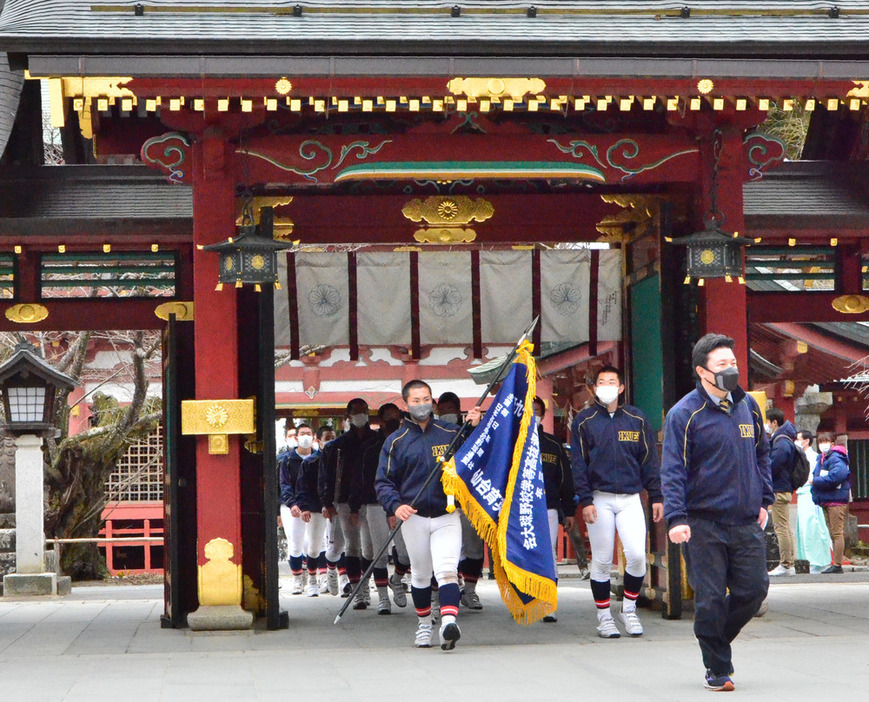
(800,468)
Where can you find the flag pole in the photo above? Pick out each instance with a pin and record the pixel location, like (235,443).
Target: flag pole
(448,454)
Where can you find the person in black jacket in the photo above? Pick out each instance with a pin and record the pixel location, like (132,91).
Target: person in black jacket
(433,536)
(373,519)
(717,486)
(614,457)
(310,511)
(782,455)
(558,481)
(341,464)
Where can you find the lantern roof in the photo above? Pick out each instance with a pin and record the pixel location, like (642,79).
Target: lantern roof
(25,360)
(249,239)
(712,235)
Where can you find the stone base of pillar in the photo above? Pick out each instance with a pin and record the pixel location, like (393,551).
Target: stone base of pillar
(219,618)
(36,584)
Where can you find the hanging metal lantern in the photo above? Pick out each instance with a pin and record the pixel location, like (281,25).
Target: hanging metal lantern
(252,257)
(713,253)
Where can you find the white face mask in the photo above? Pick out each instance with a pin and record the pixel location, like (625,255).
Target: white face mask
(292,443)
(768,428)
(359,420)
(450,417)
(538,419)
(306,441)
(607,394)
(823,448)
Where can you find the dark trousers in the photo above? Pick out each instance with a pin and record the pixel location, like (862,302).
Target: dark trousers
(724,557)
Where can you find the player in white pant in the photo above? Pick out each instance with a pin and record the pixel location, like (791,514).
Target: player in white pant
(614,457)
(433,536)
(289,464)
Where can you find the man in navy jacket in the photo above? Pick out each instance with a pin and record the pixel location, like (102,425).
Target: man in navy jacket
(717,485)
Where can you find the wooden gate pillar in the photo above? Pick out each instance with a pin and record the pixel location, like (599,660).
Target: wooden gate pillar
(218,460)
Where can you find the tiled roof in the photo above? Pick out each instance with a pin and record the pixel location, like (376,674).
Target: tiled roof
(97,192)
(655,28)
(810,191)
(10,93)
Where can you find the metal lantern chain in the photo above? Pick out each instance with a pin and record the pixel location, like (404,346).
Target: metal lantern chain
(715,216)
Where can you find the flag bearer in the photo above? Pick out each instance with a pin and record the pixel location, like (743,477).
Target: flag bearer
(432,535)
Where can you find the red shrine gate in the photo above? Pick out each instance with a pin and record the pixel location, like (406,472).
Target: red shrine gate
(619,146)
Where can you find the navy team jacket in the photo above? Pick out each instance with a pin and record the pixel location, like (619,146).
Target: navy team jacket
(341,464)
(288,464)
(781,457)
(307,498)
(613,454)
(406,459)
(716,463)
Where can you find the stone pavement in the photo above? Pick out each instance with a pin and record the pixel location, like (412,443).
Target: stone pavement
(105,642)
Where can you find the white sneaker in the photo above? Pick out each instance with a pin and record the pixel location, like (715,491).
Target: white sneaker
(298,585)
(344,586)
(383,606)
(313,590)
(359,601)
(449,633)
(365,591)
(323,584)
(471,600)
(781,570)
(607,629)
(332,580)
(399,596)
(633,626)
(422,639)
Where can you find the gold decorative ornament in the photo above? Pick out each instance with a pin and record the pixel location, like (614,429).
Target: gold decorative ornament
(440,210)
(861,90)
(640,216)
(228,264)
(220,580)
(183,311)
(26,313)
(283,86)
(851,304)
(257,262)
(216,416)
(217,419)
(445,235)
(707,257)
(514,88)
(705,86)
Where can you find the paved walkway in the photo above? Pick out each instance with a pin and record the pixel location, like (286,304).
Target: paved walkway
(106,643)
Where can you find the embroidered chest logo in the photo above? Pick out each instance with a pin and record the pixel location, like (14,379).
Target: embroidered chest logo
(746,431)
(438,450)
(629,436)
(548,457)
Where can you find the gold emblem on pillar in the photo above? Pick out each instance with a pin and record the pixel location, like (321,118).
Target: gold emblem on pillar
(851,304)
(183,311)
(220,578)
(26,313)
(447,216)
(217,419)
(514,88)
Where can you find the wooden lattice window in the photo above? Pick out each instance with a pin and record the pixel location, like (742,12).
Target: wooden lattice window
(138,477)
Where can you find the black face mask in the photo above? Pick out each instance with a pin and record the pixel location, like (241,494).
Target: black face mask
(727,379)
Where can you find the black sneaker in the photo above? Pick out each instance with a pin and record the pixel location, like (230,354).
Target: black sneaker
(449,635)
(832,569)
(718,683)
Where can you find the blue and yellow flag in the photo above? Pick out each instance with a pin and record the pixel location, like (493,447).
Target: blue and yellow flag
(497,477)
